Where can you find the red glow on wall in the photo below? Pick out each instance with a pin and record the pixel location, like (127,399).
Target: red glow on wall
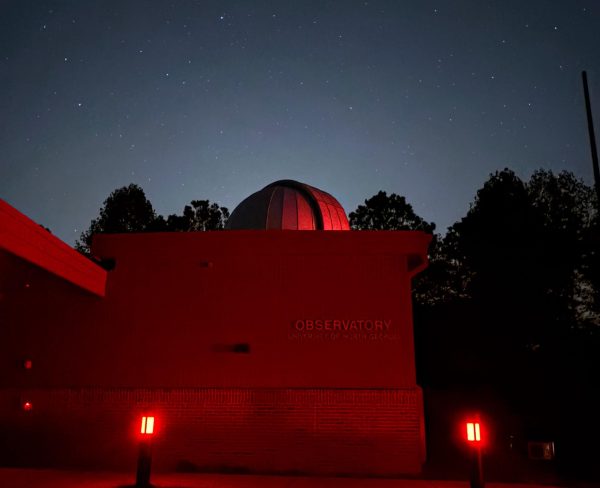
(27,406)
(28,364)
(147,426)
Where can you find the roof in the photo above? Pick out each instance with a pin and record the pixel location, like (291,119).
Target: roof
(289,205)
(23,238)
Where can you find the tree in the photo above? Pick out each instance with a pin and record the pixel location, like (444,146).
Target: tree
(522,248)
(568,209)
(494,237)
(500,244)
(200,216)
(383,212)
(444,281)
(125,210)
(128,210)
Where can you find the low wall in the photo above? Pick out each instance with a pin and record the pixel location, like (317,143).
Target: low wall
(304,431)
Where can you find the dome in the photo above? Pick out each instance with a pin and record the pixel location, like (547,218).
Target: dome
(289,205)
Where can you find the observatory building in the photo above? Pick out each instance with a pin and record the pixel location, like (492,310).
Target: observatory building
(281,345)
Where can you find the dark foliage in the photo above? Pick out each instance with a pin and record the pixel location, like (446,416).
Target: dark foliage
(383,212)
(200,216)
(524,250)
(125,210)
(128,210)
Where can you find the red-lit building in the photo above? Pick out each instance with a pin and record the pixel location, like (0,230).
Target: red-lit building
(256,348)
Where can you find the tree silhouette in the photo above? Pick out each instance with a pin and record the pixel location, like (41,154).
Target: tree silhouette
(524,251)
(511,282)
(128,210)
(568,210)
(125,210)
(200,216)
(383,212)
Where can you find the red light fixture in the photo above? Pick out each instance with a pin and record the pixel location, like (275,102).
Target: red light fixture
(27,364)
(27,406)
(473,432)
(147,426)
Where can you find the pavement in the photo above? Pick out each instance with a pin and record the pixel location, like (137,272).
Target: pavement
(50,478)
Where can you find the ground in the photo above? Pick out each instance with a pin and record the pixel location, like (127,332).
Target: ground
(42,478)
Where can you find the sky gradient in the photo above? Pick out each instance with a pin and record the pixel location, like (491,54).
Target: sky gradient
(214,100)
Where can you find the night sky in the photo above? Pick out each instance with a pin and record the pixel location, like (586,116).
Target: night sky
(214,100)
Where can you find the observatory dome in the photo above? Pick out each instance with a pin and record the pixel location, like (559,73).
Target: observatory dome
(289,205)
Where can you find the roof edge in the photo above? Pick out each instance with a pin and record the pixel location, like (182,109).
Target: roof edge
(22,237)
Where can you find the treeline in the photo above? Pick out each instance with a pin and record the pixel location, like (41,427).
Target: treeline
(516,280)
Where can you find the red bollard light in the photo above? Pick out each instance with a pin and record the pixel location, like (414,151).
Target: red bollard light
(473,432)
(474,439)
(147,426)
(144,464)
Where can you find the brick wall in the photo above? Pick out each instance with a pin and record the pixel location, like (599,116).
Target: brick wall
(313,431)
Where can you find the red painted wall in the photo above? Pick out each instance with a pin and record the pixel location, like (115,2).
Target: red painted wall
(22,237)
(176,309)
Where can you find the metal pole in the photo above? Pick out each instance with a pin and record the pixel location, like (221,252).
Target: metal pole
(477,480)
(142,479)
(588,108)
